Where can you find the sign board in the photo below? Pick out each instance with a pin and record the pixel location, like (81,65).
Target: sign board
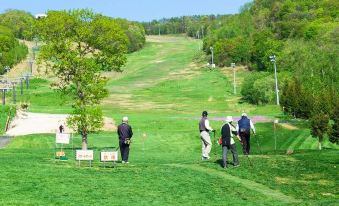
(84,155)
(60,154)
(109,156)
(62,138)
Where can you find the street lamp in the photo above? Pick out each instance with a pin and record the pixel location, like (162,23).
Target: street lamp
(234,85)
(273,60)
(213,65)
(31,61)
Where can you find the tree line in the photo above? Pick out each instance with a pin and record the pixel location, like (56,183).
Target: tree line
(18,24)
(302,34)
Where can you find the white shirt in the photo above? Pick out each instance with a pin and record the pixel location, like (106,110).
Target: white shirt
(207,125)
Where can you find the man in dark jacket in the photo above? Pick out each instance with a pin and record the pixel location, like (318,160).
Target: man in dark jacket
(125,134)
(227,131)
(244,129)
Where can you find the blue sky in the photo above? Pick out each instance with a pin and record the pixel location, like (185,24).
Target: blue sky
(138,10)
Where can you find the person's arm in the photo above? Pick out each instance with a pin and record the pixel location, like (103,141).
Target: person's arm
(252,126)
(207,125)
(130,132)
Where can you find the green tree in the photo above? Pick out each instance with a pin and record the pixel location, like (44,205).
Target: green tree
(319,126)
(20,22)
(334,135)
(78,45)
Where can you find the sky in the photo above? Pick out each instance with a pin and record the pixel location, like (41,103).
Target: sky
(136,10)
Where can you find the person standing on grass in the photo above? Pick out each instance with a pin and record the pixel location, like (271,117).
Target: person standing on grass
(227,143)
(125,134)
(244,129)
(205,128)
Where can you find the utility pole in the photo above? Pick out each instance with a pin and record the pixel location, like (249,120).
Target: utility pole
(14,93)
(21,86)
(211,48)
(31,64)
(273,60)
(234,84)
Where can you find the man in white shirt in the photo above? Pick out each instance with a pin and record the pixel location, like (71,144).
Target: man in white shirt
(205,128)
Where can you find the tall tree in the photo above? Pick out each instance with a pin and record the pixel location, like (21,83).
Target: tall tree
(78,45)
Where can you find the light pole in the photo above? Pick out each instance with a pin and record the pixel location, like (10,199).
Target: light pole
(213,65)
(273,60)
(31,64)
(234,85)
(7,68)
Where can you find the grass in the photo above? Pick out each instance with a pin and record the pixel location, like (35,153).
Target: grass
(163,93)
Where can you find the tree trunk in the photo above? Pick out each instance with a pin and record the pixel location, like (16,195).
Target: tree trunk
(319,144)
(84,140)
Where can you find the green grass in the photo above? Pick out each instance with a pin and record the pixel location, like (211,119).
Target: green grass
(163,93)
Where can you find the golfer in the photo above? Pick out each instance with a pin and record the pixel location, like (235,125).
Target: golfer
(244,129)
(125,134)
(205,128)
(227,131)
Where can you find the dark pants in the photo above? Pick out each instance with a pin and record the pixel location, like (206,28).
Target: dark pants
(233,149)
(245,139)
(124,149)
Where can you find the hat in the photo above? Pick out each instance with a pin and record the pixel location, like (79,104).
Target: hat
(204,113)
(244,114)
(125,119)
(229,119)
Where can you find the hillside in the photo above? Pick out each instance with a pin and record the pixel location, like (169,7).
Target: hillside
(163,92)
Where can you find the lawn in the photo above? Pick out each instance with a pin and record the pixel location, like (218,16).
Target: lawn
(163,92)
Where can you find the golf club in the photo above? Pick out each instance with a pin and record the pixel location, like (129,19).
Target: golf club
(249,160)
(258,144)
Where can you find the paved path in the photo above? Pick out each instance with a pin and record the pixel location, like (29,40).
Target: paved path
(248,184)
(4,140)
(41,123)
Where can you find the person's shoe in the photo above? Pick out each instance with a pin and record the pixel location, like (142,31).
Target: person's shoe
(238,165)
(127,162)
(225,167)
(123,162)
(203,158)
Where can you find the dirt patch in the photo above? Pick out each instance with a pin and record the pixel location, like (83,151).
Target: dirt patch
(282,180)
(288,126)
(41,123)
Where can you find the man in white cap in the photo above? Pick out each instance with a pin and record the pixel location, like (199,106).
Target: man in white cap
(244,129)
(205,128)
(227,131)
(125,134)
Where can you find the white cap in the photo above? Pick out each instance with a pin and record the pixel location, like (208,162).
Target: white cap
(244,114)
(125,119)
(229,119)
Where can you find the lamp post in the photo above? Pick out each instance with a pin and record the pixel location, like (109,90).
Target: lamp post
(213,65)
(234,84)
(273,60)
(7,68)
(31,61)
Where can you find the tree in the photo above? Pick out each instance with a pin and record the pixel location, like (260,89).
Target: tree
(319,126)
(334,135)
(20,22)
(78,45)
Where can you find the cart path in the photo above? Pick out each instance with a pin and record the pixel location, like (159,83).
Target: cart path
(248,184)
(4,140)
(26,123)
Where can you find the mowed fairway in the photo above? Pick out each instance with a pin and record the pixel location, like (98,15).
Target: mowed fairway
(163,92)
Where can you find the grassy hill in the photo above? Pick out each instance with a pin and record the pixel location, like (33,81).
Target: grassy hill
(163,92)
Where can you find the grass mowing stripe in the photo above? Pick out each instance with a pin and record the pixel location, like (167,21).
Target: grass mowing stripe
(266,191)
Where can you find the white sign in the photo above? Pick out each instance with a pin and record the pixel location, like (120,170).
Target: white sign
(84,155)
(62,138)
(109,156)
